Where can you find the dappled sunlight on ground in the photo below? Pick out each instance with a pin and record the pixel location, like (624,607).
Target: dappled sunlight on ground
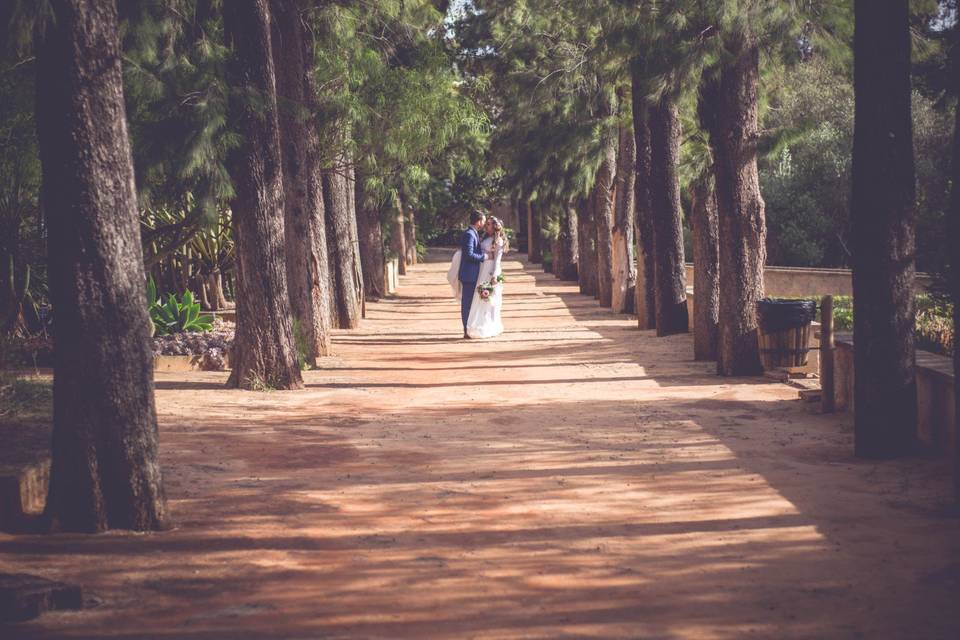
(575,477)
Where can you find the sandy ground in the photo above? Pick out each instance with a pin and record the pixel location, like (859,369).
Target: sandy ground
(574,478)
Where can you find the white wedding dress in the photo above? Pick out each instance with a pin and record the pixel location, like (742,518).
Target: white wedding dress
(484,321)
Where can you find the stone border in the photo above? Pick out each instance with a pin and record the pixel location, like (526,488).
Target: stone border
(23,493)
(936,408)
(801,282)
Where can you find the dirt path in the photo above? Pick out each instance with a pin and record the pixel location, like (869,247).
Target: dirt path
(574,478)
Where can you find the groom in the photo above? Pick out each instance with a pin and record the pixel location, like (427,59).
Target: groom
(471,257)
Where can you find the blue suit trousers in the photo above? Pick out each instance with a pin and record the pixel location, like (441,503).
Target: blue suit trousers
(466,300)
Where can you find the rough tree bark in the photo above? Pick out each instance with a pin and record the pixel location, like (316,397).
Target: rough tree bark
(320,274)
(264,355)
(370,232)
(624,272)
(732,99)
(521,212)
(566,253)
(358,297)
(706,269)
(954,243)
(586,243)
(603,205)
(398,236)
(14,280)
(105,470)
(410,236)
(883,217)
(557,252)
(535,239)
(667,217)
(293,59)
(214,286)
(343,245)
(645,299)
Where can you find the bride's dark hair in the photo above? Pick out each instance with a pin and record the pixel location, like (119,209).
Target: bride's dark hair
(499,234)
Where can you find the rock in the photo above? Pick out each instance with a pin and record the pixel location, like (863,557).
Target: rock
(23,491)
(213,360)
(24,597)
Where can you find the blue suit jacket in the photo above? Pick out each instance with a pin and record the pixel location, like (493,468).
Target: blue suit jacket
(471,255)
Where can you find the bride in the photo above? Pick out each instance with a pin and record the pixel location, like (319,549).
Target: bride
(484,321)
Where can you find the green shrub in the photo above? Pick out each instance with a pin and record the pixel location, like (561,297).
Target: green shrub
(934,321)
(175,316)
(300,343)
(935,325)
(547,261)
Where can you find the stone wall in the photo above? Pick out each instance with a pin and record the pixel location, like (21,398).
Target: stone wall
(797,282)
(936,415)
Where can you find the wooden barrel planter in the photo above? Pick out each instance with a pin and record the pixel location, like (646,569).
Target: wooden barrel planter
(784,332)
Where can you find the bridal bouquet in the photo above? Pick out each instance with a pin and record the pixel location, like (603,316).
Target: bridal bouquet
(486,289)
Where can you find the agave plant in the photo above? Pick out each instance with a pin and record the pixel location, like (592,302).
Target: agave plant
(175,316)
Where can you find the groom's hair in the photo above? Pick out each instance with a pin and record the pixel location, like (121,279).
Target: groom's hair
(476,216)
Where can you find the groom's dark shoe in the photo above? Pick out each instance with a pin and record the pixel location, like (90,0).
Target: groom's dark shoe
(465,335)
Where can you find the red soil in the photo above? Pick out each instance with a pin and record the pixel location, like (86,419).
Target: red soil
(572,478)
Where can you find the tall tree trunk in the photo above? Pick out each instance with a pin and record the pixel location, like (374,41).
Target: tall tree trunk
(264,354)
(624,273)
(535,241)
(565,258)
(341,236)
(14,281)
(557,257)
(105,471)
(883,217)
(370,232)
(321,278)
(357,296)
(740,208)
(398,235)
(522,230)
(586,243)
(548,249)
(218,302)
(410,236)
(293,56)
(953,230)
(200,286)
(645,299)
(706,269)
(670,269)
(603,205)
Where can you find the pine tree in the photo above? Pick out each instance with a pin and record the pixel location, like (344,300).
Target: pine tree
(264,355)
(535,233)
(370,235)
(568,253)
(587,246)
(706,273)
(883,216)
(602,198)
(105,471)
(732,93)
(342,236)
(953,232)
(624,272)
(645,301)
(666,214)
(293,58)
